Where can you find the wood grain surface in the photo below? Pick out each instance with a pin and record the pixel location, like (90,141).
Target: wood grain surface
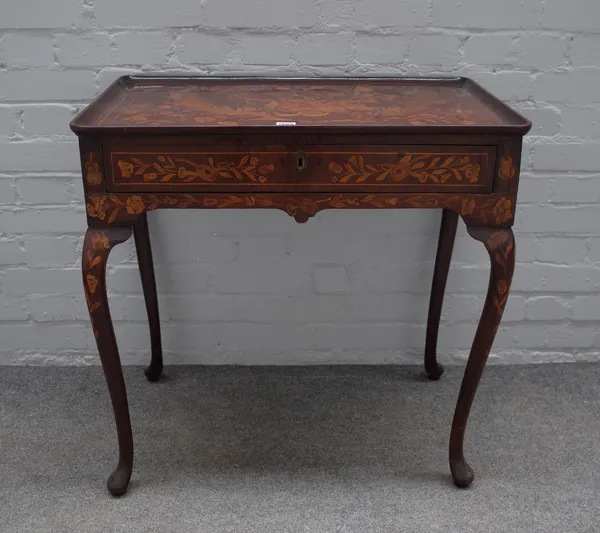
(178,103)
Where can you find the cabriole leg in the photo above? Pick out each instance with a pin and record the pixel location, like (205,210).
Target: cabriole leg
(500,245)
(96,247)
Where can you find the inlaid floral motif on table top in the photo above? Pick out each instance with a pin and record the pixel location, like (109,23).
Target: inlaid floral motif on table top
(331,104)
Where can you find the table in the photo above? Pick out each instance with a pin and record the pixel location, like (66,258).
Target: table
(298,145)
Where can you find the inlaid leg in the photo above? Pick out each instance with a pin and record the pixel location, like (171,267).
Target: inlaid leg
(440,274)
(500,245)
(144,253)
(96,247)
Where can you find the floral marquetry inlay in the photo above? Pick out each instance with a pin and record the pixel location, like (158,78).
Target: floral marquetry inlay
(422,167)
(93,176)
(173,168)
(97,245)
(502,211)
(486,209)
(324,103)
(93,258)
(502,247)
(506,170)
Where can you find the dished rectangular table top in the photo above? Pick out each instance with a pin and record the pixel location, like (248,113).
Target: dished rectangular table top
(143,104)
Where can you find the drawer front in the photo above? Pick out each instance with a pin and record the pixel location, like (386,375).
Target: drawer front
(382,168)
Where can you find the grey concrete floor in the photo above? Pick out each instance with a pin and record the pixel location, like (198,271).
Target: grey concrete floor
(310,449)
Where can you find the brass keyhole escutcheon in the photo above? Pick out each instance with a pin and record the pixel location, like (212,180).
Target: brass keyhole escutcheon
(300,162)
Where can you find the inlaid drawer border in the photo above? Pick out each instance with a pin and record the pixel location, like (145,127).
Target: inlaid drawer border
(355,171)
(165,169)
(426,168)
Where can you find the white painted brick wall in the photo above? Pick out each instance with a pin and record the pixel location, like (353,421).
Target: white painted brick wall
(255,287)
(26,50)
(200,48)
(142,48)
(91,50)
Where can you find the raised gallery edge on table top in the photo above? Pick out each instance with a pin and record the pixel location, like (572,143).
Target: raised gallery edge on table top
(178,104)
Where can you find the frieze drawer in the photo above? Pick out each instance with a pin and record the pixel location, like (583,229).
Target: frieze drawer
(390,168)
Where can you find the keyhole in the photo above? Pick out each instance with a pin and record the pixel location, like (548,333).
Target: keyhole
(301,163)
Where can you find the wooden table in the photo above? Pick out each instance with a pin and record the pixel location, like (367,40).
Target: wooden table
(298,145)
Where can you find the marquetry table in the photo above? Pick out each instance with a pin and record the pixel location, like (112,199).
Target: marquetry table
(298,145)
